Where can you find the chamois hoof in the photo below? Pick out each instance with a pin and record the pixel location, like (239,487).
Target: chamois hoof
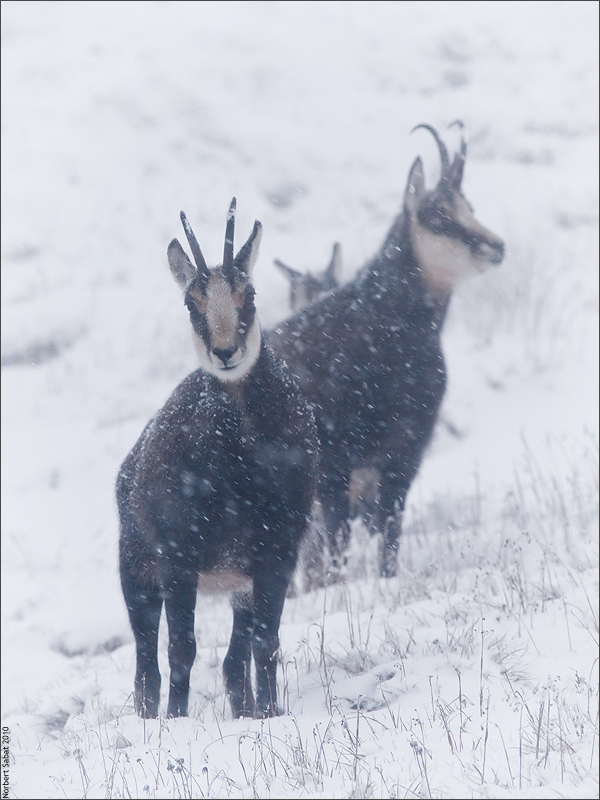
(268,713)
(145,712)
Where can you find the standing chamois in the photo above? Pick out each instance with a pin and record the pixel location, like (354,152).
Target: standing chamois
(368,355)
(218,489)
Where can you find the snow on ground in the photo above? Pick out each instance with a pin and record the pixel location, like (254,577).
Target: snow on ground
(475,672)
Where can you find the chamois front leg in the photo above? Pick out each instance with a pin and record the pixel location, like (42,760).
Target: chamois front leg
(145,619)
(180,606)
(269,596)
(238,661)
(144,605)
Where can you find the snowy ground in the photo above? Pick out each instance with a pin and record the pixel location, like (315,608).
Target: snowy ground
(475,672)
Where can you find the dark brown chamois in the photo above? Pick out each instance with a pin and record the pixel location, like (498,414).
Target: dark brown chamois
(305,287)
(368,355)
(218,488)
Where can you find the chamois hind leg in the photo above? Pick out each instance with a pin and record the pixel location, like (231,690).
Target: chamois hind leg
(335,504)
(392,498)
(238,661)
(144,606)
(180,606)
(269,595)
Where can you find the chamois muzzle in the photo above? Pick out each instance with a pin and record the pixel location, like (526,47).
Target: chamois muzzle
(225,354)
(485,245)
(492,252)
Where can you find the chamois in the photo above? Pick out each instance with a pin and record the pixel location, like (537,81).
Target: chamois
(368,355)
(218,488)
(305,288)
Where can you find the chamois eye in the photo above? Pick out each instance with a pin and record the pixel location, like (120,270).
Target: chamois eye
(196,314)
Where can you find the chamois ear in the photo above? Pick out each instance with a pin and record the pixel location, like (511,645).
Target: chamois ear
(289,272)
(247,256)
(333,273)
(182,268)
(415,188)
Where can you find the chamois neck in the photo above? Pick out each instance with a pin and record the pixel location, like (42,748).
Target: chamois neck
(395,278)
(237,389)
(241,388)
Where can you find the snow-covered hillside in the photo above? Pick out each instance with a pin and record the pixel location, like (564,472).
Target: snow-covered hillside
(474,672)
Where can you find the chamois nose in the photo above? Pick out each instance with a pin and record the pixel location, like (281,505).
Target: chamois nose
(492,252)
(224,353)
(497,252)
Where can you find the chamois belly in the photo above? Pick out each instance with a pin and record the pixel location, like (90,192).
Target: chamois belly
(397,420)
(223,580)
(226,522)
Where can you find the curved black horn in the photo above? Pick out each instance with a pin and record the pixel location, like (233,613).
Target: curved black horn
(445,173)
(194,246)
(228,250)
(458,165)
